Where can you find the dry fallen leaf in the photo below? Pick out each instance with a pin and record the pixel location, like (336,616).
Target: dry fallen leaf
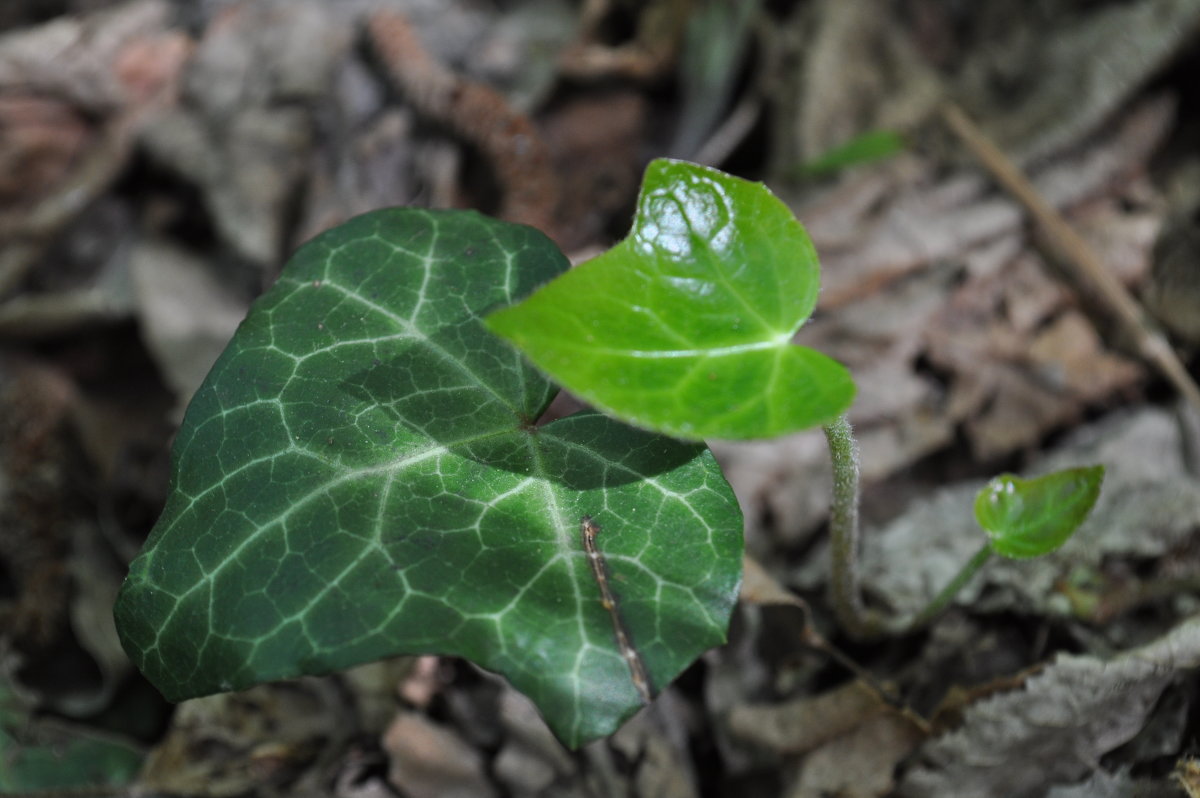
(859,764)
(804,723)
(654,740)
(270,739)
(1187,773)
(530,759)
(1049,83)
(1054,729)
(187,316)
(1111,785)
(431,761)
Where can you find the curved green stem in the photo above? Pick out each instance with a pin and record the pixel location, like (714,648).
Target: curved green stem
(942,600)
(858,621)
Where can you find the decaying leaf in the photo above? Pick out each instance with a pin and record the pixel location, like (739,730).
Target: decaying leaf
(804,723)
(430,761)
(851,740)
(1187,773)
(655,740)
(647,56)
(530,758)
(280,739)
(79,59)
(1108,785)
(187,316)
(1056,728)
(75,91)
(242,134)
(859,764)
(1037,92)
(42,139)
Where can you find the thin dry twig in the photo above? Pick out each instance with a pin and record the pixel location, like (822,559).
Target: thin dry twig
(759,587)
(726,138)
(1087,268)
(646,58)
(478,114)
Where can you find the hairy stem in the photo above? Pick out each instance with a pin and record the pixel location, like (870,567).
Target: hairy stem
(855,619)
(858,621)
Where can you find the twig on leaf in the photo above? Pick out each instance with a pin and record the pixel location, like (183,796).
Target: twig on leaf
(759,587)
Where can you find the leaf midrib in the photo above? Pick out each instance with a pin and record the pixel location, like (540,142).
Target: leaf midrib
(772,344)
(406,327)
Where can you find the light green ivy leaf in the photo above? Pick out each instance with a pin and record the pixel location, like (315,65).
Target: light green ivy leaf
(686,326)
(1030,517)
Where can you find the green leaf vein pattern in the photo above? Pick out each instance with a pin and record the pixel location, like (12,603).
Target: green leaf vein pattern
(686,326)
(360,477)
(1026,518)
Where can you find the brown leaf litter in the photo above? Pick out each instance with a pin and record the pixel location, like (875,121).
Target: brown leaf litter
(271,125)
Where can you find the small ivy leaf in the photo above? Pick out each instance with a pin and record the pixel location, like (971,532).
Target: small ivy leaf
(686,326)
(1030,517)
(360,477)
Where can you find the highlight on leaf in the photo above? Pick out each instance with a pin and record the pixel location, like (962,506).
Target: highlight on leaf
(685,327)
(1030,517)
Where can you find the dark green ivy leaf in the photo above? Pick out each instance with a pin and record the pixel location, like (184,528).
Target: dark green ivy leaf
(360,476)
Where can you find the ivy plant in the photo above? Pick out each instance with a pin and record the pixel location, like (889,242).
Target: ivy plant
(1023,518)
(685,328)
(364,474)
(1026,518)
(361,476)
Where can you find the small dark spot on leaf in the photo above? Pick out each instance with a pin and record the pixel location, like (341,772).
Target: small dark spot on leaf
(469,251)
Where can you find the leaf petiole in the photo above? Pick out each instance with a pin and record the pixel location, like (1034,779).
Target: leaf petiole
(942,600)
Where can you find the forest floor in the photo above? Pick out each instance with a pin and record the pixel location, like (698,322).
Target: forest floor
(159,161)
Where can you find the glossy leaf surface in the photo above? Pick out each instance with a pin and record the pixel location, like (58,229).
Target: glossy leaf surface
(685,327)
(1031,517)
(360,477)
